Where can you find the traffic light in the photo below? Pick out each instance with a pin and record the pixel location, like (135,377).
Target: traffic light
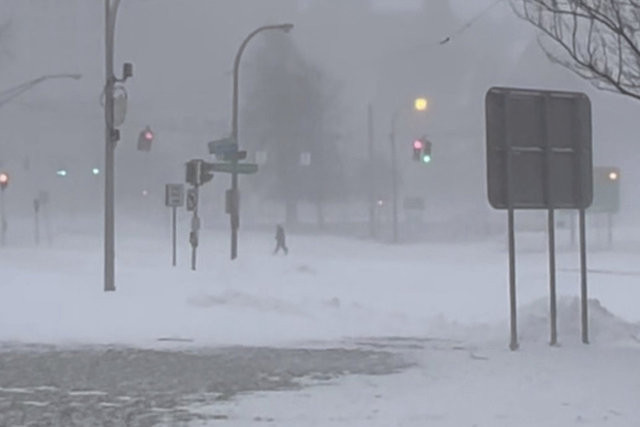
(606,189)
(199,172)
(206,172)
(4,180)
(145,139)
(422,150)
(426,151)
(193,172)
(417,149)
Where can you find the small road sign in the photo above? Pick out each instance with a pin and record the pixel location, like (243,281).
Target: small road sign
(223,146)
(174,195)
(242,168)
(192,199)
(195,223)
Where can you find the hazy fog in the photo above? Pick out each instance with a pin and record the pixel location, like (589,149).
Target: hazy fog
(372,52)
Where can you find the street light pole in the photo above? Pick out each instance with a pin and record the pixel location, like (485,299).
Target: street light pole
(420,104)
(235,215)
(370,173)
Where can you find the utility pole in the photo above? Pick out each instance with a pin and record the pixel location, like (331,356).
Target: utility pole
(420,105)
(112,135)
(109,210)
(372,205)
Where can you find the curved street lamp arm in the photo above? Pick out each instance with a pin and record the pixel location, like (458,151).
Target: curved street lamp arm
(236,69)
(7,95)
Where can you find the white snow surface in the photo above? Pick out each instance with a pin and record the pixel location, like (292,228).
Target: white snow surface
(328,288)
(333,291)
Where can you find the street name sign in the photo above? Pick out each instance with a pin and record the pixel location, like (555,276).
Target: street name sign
(223,146)
(174,195)
(241,168)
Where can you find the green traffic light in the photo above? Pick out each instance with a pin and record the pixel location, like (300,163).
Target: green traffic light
(426,158)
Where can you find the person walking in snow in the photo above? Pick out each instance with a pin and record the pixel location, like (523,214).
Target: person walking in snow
(280,240)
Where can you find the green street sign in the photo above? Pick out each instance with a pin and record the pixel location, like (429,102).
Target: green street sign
(243,168)
(223,146)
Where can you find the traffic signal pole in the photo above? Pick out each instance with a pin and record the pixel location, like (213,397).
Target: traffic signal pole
(111,10)
(109,211)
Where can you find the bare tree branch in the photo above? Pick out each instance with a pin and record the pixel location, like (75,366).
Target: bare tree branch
(599,40)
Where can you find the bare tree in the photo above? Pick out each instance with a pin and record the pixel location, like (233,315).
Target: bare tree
(292,112)
(597,39)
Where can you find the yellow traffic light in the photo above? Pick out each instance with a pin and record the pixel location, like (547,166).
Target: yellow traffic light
(421,104)
(613,176)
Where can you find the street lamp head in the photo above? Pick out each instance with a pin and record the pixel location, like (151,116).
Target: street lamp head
(421,104)
(286,27)
(75,76)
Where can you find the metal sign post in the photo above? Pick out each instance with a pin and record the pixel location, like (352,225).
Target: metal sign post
(513,314)
(173,234)
(583,278)
(174,198)
(539,157)
(228,149)
(192,206)
(193,235)
(549,196)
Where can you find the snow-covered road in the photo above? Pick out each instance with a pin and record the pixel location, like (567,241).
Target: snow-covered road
(445,304)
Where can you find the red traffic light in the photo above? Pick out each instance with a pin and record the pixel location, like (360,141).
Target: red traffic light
(145,139)
(4,180)
(417,144)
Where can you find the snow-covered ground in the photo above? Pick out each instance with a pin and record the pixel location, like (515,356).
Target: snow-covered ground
(336,291)
(453,386)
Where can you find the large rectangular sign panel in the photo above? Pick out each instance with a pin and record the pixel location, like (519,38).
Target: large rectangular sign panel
(539,149)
